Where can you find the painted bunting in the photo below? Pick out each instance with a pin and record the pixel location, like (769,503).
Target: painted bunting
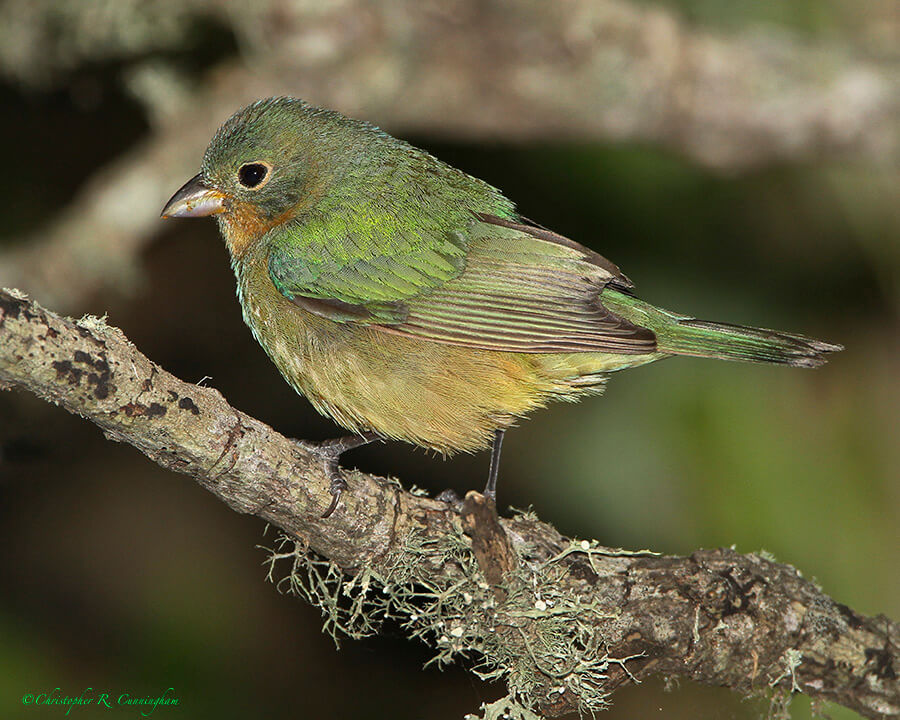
(408,300)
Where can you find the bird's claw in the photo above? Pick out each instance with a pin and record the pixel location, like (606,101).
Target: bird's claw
(329,452)
(451,498)
(336,486)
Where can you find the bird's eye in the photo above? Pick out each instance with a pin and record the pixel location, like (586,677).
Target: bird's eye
(253,174)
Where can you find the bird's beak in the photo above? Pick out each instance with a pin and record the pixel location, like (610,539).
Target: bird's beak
(194,199)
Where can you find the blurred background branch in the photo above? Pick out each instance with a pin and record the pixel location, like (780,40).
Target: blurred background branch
(590,70)
(565,629)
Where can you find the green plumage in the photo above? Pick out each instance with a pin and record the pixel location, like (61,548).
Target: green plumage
(683,335)
(403,296)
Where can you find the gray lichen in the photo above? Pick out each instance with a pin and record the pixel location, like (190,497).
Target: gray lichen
(531,632)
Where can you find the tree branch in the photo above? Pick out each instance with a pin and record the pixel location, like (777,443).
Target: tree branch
(592,69)
(566,623)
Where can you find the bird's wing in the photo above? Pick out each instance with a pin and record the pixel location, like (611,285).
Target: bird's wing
(365,269)
(515,288)
(526,289)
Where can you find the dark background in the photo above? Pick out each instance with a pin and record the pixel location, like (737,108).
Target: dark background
(119,576)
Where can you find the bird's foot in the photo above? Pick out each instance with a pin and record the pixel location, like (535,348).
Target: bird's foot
(451,498)
(329,452)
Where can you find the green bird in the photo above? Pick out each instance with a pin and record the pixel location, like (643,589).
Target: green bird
(408,300)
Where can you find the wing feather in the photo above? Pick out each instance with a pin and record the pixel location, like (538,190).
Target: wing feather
(498,285)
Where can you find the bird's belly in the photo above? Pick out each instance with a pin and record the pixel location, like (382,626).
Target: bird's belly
(431,394)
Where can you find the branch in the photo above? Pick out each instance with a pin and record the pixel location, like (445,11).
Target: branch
(566,622)
(591,69)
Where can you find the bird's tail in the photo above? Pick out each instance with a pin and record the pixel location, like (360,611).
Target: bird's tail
(680,335)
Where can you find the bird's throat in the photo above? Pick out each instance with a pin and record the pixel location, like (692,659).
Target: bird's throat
(242,227)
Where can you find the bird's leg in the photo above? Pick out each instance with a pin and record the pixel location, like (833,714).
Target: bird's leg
(330,452)
(490,490)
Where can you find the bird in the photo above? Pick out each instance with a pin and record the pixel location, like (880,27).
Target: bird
(410,301)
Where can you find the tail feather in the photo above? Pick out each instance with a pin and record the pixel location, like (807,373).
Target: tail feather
(681,335)
(736,342)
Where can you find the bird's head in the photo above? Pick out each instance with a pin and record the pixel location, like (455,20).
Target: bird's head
(265,165)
